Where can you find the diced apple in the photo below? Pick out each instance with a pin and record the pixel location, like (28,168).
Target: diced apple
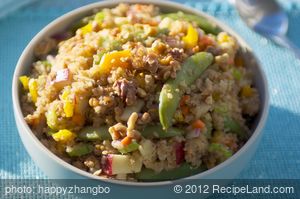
(121,164)
(146,148)
(63,78)
(130,109)
(107,164)
(179,151)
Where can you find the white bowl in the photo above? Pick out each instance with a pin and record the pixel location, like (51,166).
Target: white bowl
(56,168)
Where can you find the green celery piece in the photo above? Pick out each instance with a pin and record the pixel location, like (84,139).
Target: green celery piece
(221,109)
(234,127)
(237,74)
(79,149)
(51,132)
(133,146)
(156,131)
(230,124)
(99,17)
(182,171)
(215,147)
(90,133)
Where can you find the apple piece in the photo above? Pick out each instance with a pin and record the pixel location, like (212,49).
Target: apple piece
(179,151)
(146,148)
(137,107)
(121,164)
(107,164)
(63,78)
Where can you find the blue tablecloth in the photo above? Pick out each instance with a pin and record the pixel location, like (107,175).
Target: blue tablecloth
(278,155)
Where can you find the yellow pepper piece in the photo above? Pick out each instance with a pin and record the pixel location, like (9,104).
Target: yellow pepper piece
(191,38)
(68,104)
(223,37)
(86,29)
(69,108)
(24,80)
(64,136)
(247,91)
(113,59)
(33,86)
(65,95)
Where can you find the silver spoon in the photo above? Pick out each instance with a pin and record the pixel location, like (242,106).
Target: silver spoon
(267,18)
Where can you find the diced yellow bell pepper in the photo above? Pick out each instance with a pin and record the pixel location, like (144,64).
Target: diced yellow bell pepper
(64,136)
(69,108)
(87,28)
(113,59)
(68,104)
(191,38)
(24,80)
(65,95)
(224,37)
(33,89)
(247,91)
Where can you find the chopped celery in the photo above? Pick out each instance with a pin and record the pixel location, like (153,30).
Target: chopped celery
(90,133)
(234,127)
(99,17)
(222,109)
(51,132)
(79,149)
(237,74)
(133,146)
(215,147)
(156,131)
(137,107)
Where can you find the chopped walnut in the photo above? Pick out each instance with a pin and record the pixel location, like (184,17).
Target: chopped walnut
(174,42)
(151,62)
(177,54)
(126,90)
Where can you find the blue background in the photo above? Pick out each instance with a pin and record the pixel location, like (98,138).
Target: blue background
(278,155)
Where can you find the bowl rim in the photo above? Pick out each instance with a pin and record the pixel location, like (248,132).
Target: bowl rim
(76,12)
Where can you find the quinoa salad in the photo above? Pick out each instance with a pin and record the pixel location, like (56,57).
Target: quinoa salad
(132,93)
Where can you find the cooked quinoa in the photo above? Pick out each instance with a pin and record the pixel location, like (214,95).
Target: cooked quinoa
(135,94)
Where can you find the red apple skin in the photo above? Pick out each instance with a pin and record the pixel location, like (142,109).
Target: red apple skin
(107,164)
(179,151)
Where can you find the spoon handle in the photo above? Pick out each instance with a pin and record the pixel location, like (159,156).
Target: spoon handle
(285,42)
